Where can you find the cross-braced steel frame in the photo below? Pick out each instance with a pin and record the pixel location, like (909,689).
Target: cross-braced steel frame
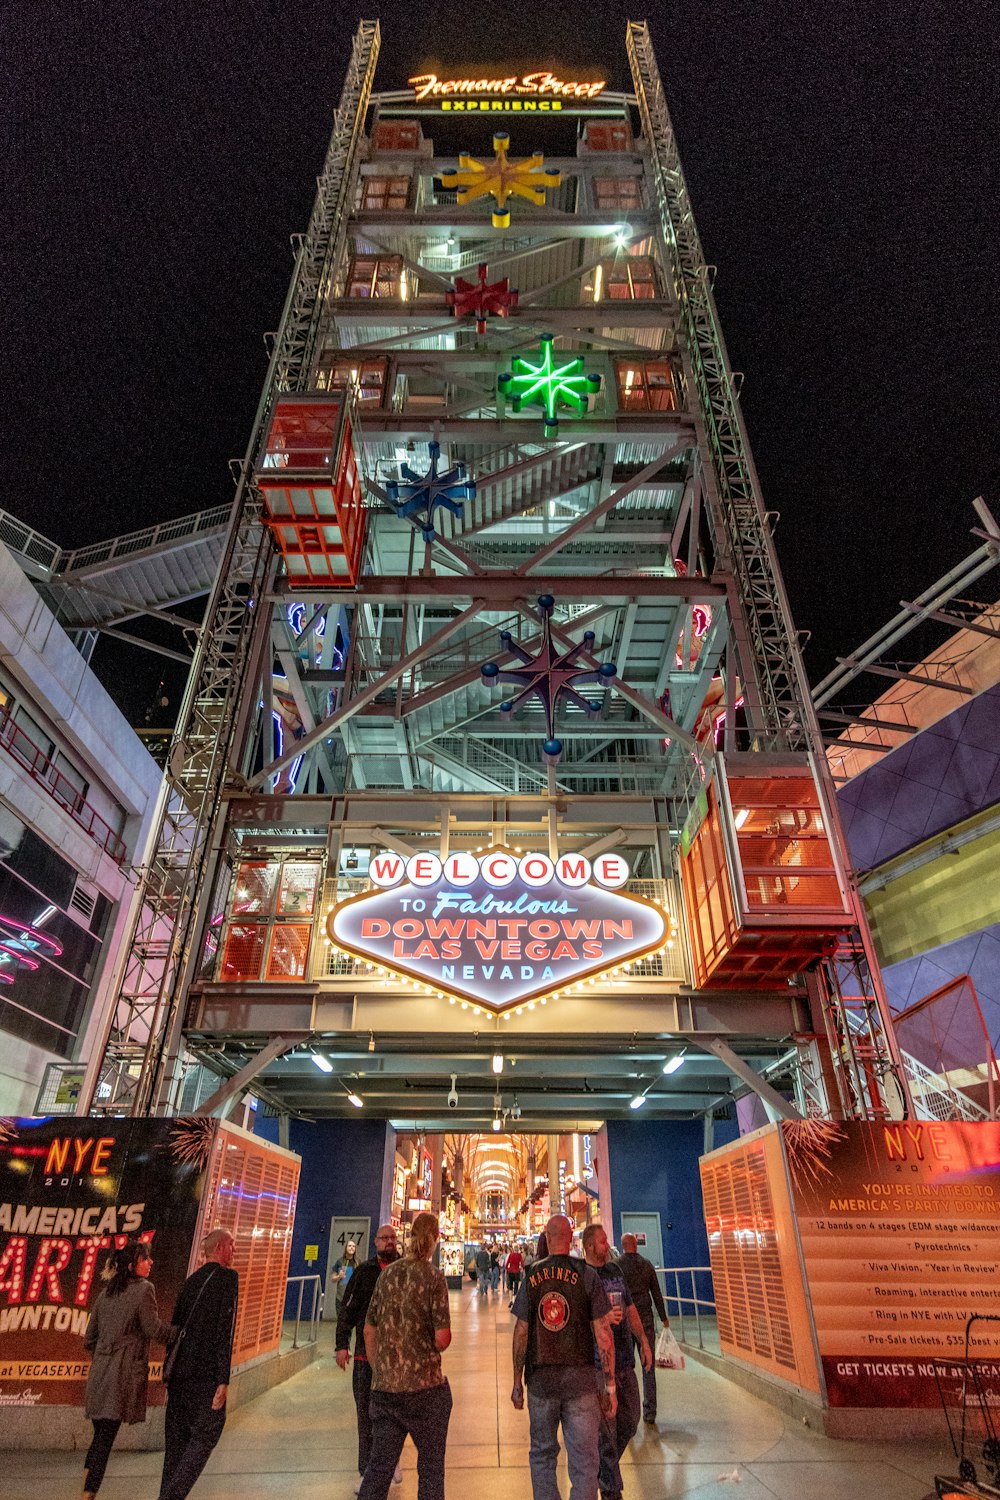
(137,1064)
(648,529)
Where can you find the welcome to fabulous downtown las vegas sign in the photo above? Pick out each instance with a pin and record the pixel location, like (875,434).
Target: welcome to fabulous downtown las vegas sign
(498,928)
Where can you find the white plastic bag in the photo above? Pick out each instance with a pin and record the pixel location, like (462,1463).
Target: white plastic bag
(668,1351)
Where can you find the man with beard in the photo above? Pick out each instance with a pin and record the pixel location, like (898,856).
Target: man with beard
(351,1318)
(619,1428)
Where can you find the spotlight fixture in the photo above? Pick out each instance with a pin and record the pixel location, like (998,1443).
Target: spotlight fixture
(371,1041)
(323,1063)
(673,1063)
(496,1122)
(498,1062)
(637,1102)
(357,1101)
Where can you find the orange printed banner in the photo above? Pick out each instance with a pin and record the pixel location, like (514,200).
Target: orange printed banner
(899,1224)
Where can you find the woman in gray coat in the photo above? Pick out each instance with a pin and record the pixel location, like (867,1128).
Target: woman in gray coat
(118,1335)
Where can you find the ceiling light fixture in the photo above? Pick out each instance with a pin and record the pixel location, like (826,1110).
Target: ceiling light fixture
(637,1102)
(498,1062)
(321,1062)
(673,1063)
(356,1100)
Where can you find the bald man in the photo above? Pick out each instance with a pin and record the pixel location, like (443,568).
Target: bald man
(199,1378)
(561,1331)
(351,1319)
(644,1286)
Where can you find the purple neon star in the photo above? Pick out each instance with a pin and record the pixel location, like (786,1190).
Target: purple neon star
(548,676)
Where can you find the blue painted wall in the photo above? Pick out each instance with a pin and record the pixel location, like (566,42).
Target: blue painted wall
(342,1164)
(654,1169)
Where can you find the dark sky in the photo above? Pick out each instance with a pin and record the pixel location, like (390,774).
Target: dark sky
(842,160)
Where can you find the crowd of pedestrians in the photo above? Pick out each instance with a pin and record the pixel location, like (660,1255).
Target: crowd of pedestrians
(578,1323)
(196,1369)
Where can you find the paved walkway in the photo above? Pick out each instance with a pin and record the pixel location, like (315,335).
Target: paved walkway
(298,1442)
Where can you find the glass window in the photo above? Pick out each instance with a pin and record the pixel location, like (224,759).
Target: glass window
(366,380)
(375,276)
(259,941)
(396,135)
(631,278)
(48,961)
(385,194)
(645,385)
(297,896)
(617,193)
(608,135)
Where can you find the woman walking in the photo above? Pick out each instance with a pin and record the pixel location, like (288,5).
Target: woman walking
(118,1335)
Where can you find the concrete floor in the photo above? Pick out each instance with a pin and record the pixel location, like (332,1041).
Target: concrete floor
(299,1439)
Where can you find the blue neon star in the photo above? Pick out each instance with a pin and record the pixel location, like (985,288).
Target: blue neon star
(416,497)
(548,676)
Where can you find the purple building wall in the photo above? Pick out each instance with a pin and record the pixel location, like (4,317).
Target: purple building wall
(941,776)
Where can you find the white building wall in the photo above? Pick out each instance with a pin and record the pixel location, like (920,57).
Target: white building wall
(46,674)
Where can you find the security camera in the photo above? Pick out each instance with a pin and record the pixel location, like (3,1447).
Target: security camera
(453,1094)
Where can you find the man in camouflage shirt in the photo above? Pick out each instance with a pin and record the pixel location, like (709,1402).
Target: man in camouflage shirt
(407,1326)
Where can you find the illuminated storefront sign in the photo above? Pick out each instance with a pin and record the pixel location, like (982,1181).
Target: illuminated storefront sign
(532,91)
(498,928)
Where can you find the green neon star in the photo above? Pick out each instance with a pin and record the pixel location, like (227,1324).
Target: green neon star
(548,385)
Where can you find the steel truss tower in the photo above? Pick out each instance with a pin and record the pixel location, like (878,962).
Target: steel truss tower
(520,359)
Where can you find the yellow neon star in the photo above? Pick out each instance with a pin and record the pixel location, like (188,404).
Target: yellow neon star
(502,179)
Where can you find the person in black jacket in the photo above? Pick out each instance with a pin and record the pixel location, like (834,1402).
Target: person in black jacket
(644,1286)
(199,1379)
(351,1316)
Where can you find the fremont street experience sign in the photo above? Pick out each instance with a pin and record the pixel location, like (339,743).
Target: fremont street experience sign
(498,928)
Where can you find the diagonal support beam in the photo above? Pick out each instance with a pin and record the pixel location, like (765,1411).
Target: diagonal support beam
(350,708)
(587,520)
(227,1092)
(722,1050)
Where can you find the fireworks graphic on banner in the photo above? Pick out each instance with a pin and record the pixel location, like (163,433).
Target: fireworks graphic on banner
(549,676)
(545,383)
(8,1132)
(478,299)
(416,497)
(810,1144)
(191,1140)
(501,180)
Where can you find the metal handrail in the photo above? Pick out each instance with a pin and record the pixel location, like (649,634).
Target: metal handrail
(42,769)
(691,1299)
(315,1311)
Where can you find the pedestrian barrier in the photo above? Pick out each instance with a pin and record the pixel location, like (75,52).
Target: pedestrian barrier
(687,1299)
(315,1307)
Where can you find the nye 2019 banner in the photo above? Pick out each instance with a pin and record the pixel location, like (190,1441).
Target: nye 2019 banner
(899,1224)
(71,1191)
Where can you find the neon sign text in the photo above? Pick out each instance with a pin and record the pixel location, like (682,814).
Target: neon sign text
(501,927)
(429,86)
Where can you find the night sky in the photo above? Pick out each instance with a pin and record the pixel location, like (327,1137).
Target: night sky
(843,166)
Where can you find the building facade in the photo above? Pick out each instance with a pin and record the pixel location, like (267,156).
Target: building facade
(77,795)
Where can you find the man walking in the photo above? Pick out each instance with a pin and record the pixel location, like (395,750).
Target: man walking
(483,1270)
(617,1431)
(407,1327)
(515,1265)
(199,1378)
(562,1325)
(351,1319)
(644,1286)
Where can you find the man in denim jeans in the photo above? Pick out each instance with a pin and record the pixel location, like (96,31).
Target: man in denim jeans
(562,1313)
(407,1327)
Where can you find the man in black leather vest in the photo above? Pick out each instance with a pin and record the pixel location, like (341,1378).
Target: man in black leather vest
(562,1314)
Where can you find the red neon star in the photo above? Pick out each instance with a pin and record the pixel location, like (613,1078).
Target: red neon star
(480,298)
